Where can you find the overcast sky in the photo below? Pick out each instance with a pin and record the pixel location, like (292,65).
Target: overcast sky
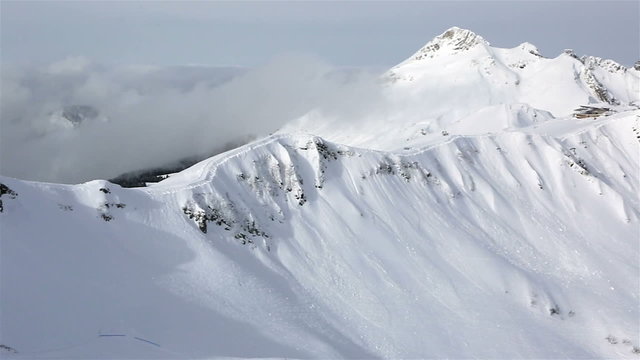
(342,33)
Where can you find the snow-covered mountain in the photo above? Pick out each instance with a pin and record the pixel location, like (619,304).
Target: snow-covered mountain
(458,84)
(488,209)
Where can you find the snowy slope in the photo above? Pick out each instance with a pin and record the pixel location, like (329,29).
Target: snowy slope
(513,235)
(458,75)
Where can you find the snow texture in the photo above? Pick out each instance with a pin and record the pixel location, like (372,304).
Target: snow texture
(484,220)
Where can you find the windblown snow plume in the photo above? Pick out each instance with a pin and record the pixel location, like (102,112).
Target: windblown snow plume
(486,206)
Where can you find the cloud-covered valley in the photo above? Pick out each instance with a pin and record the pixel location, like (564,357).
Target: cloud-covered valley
(77,120)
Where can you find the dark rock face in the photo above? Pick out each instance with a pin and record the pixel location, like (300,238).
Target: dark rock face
(5,190)
(637,65)
(140,178)
(76,114)
(586,111)
(571,53)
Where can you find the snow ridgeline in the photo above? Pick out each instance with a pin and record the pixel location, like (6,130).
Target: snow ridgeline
(518,243)
(519,74)
(500,218)
(475,90)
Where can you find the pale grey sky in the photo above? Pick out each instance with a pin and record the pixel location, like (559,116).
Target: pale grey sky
(343,33)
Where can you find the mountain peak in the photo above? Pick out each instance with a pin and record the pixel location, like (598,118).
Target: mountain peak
(454,40)
(530,48)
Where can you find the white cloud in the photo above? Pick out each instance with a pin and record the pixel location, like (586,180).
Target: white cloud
(70,65)
(151,116)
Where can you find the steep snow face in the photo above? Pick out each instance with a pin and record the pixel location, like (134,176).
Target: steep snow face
(467,219)
(298,247)
(612,82)
(451,42)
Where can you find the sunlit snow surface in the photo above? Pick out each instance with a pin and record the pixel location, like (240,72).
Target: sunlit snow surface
(479,220)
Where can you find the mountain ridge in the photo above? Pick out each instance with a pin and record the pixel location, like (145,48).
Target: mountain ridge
(464,227)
